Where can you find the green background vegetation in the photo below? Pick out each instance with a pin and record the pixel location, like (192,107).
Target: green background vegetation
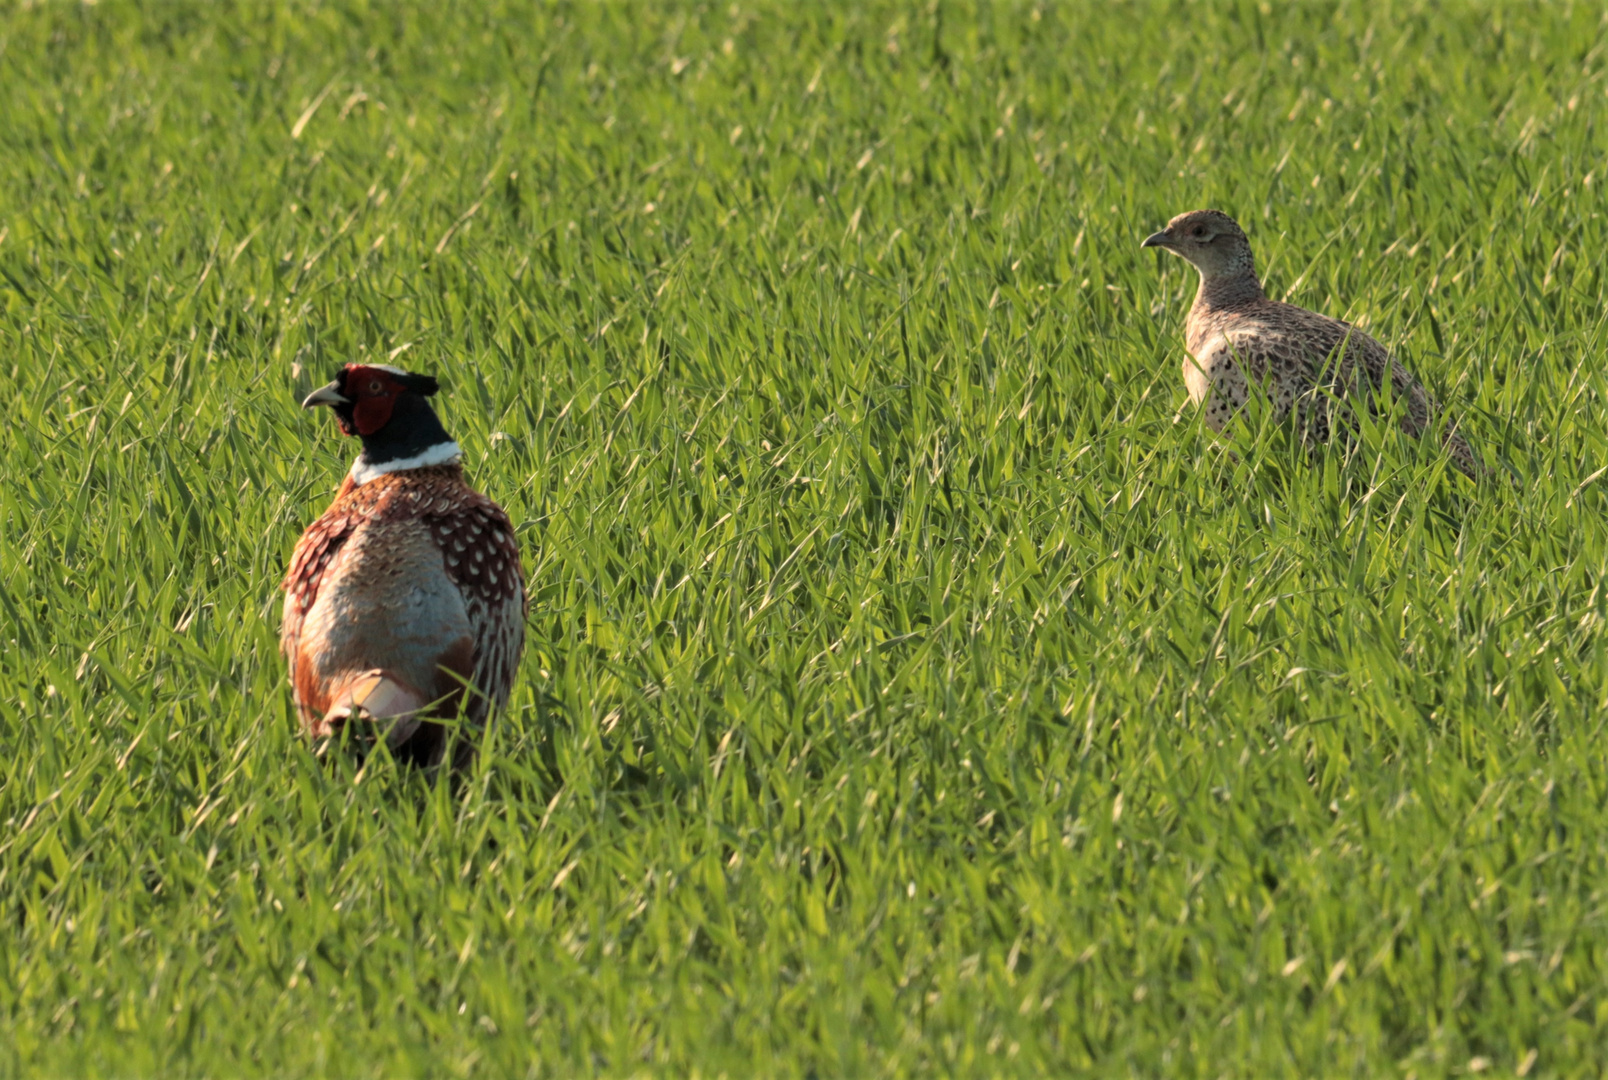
(912,686)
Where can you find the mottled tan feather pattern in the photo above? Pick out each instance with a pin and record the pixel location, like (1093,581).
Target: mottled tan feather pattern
(1306,362)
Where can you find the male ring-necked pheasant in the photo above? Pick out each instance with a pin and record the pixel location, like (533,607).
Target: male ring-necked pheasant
(406,600)
(1303,359)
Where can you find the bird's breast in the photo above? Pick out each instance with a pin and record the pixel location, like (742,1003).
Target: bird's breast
(1196,380)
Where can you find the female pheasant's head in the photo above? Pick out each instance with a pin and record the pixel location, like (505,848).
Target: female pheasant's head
(388,409)
(1209,239)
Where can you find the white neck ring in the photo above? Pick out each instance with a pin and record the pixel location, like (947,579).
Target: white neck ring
(446,453)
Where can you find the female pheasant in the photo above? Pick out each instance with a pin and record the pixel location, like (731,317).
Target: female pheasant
(406,599)
(1236,336)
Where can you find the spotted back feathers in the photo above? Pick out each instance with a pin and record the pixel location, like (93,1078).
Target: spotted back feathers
(479,555)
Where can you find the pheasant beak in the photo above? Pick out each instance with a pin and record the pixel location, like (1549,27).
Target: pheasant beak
(1160,239)
(325,395)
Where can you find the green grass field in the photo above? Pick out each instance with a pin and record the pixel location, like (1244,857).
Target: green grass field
(914,686)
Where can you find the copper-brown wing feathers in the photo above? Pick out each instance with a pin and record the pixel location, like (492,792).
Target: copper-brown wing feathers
(479,558)
(318,545)
(482,559)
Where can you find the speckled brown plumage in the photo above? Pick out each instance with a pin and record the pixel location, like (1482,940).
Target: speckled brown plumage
(368,588)
(1305,361)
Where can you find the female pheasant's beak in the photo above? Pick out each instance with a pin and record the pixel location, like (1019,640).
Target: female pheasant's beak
(1160,239)
(326,395)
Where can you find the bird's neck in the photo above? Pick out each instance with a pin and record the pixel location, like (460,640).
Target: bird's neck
(1226,290)
(412,439)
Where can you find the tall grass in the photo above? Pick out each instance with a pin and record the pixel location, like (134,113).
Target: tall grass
(914,685)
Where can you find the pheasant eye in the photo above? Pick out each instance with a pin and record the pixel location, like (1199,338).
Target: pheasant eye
(374,386)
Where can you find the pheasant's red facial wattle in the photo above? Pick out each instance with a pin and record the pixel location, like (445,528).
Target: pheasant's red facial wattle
(372,413)
(374,396)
